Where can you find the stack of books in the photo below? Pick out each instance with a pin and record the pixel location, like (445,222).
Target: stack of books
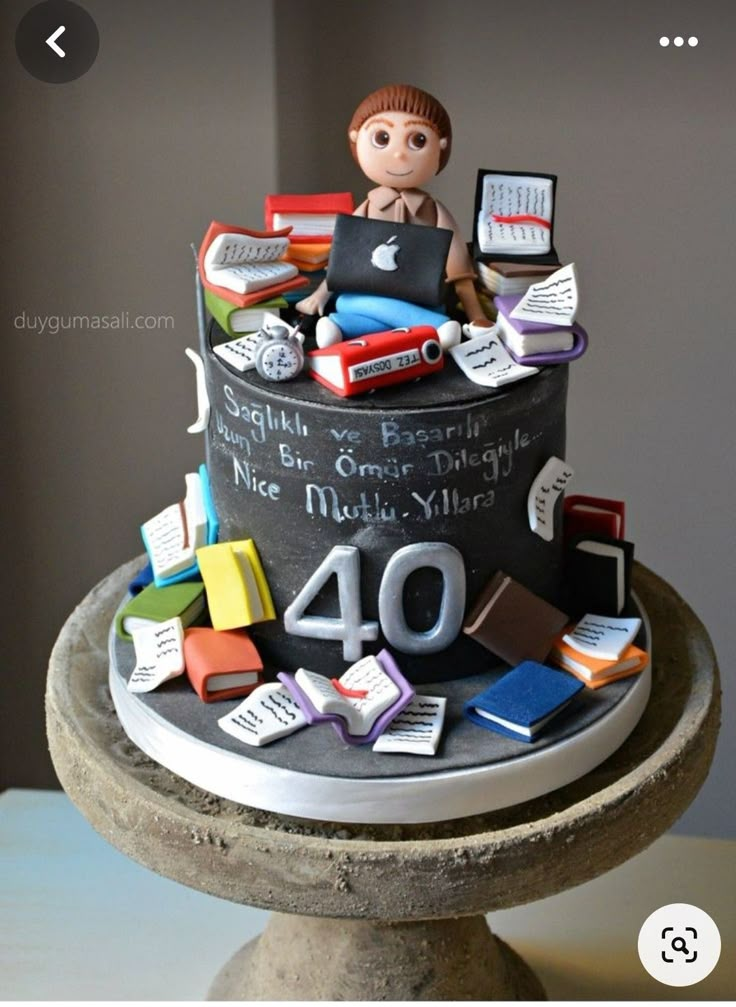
(599,650)
(511,278)
(245,274)
(312,219)
(538,327)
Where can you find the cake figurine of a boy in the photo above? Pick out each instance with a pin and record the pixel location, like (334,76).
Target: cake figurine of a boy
(401,137)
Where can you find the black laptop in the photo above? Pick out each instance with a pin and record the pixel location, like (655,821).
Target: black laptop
(407,261)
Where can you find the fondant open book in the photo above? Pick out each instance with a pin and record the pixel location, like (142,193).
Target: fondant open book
(360,704)
(514,217)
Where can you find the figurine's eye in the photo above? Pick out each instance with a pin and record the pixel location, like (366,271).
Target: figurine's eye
(417,141)
(380,138)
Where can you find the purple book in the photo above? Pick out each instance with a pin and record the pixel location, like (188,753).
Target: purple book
(577,349)
(369,694)
(506,304)
(513,331)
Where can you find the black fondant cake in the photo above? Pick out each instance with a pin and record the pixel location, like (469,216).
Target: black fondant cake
(439,460)
(384,510)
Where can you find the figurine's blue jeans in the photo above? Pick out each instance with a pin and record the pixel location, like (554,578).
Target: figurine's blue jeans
(362,314)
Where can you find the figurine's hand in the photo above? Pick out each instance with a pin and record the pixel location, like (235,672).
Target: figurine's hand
(314,304)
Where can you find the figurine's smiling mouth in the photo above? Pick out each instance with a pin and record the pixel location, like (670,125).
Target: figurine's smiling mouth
(400,173)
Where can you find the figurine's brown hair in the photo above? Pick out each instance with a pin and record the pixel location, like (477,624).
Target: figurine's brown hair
(409,99)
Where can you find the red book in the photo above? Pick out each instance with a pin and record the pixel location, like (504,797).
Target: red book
(217,228)
(383,358)
(586,515)
(221,664)
(312,215)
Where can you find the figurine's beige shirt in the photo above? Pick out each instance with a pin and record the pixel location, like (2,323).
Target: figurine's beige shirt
(412,206)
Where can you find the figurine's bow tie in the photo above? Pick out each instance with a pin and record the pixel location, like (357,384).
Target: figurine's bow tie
(406,202)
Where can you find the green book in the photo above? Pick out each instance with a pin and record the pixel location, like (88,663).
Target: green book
(157,604)
(236,321)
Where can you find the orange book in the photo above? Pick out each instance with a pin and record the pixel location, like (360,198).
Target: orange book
(595,672)
(303,266)
(221,664)
(214,231)
(318,252)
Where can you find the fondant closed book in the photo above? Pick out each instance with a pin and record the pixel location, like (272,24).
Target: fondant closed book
(524,701)
(158,604)
(588,515)
(393,260)
(599,574)
(311,215)
(512,622)
(237,590)
(596,673)
(221,664)
(383,358)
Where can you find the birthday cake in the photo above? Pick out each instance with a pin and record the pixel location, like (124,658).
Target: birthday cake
(374,603)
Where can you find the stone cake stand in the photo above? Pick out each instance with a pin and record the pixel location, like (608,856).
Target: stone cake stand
(383,912)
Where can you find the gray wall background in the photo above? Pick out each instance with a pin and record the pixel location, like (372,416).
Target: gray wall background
(196,110)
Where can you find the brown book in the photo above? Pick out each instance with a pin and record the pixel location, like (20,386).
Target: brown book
(510,269)
(513,622)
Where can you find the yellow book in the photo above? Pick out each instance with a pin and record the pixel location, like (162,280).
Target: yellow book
(237,590)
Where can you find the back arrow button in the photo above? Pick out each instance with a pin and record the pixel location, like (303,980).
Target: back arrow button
(57,41)
(51,41)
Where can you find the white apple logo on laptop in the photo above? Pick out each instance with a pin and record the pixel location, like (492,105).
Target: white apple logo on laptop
(384,256)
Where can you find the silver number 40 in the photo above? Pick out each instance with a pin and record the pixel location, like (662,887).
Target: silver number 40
(352,630)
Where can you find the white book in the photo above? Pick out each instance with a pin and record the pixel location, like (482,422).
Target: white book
(232,249)
(267,714)
(173,536)
(250,277)
(166,541)
(195,511)
(306,223)
(486,361)
(239,353)
(511,196)
(417,729)
(552,301)
(602,637)
(359,712)
(159,654)
(552,479)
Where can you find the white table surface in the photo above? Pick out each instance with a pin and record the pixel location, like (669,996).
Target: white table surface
(80,921)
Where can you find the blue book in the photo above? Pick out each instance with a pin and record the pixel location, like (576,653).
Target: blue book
(142,579)
(523,702)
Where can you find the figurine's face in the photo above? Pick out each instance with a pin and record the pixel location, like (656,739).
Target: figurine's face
(398,149)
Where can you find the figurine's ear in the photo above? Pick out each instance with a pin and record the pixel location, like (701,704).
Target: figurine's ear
(353,134)
(443,143)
